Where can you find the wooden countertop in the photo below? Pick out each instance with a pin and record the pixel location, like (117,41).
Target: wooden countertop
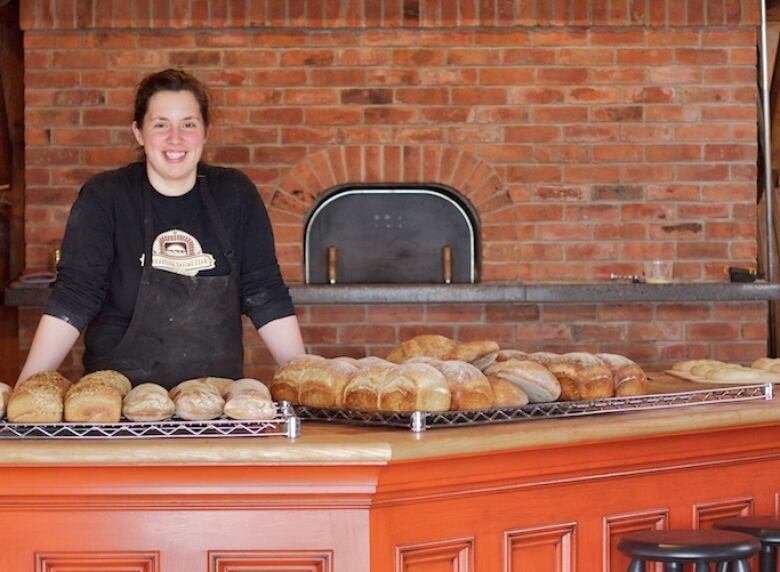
(325,444)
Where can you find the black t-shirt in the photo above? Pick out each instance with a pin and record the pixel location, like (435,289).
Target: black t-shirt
(100,265)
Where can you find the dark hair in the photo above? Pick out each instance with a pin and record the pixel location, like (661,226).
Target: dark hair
(169,80)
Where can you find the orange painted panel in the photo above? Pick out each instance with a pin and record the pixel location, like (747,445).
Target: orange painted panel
(97,561)
(617,525)
(705,514)
(271,561)
(548,547)
(452,555)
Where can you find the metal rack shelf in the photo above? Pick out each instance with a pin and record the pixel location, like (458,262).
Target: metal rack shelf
(419,421)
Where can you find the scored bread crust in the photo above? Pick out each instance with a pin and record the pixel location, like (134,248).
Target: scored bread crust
(197,400)
(469,387)
(362,391)
(506,355)
(38,399)
(286,383)
(536,381)
(323,384)
(47,378)
(414,387)
(249,399)
(506,393)
(148,402)
(93,402)
(431,345)
(628,377)
(582,376)
(479,353)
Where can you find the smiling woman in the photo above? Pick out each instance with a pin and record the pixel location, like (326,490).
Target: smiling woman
(205,247)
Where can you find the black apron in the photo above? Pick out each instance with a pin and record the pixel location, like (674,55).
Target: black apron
(182,326)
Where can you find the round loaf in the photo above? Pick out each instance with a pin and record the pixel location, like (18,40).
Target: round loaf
(536,381)
(197,400)
(469,387)
(480,353)
(111,378)
(506,355)
(148,402)
(543,358)
(249,399)
(431,345)
(628,378)
(582,376)
(506,393)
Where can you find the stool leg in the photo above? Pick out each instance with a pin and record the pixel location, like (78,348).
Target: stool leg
(702,567)
(636,566)
(673,567)
(768,560)
(724,567)
(742,566)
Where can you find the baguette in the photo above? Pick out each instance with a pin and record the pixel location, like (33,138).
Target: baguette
(249,399)
(148,402)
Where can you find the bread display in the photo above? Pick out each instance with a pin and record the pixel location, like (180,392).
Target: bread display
(767,364)
(480,353)
(93,402)
(286,383)
(414,387)
(431,345)
(628,378)
(38,399)
(197,400)
(110,378)
(148,402)
(469,388)
(506,393)
(582,376)
(324,383)
(5,393)
(718,371)
(248,399)
(362,390)
(535,380)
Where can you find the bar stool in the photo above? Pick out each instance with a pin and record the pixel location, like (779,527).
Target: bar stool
(765,528)
(675,548)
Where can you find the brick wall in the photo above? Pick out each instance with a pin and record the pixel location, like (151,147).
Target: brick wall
(589,135)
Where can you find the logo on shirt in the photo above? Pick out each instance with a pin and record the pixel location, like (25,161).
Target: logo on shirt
(178,252)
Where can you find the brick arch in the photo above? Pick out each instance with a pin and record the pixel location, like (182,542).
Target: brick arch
(460,169)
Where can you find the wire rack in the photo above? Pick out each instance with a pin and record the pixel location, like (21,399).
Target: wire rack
(285,423)
(419,421)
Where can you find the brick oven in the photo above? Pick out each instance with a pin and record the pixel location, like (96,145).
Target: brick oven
(588,136)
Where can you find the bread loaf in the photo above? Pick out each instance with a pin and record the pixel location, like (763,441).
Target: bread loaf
(627,377)
(431,345)
(506,393)
(221,384)
(535,380)
(479,353)
(197,400)
(110,378)
(324,383)
(582,376)
(469,387)
(5,393)
(414,387)
(363,389)
(767,364)
(543,358)
(286,383)
(249,399)
(506,355)
(148,402)
(38,399)
(688,365)
(93,402)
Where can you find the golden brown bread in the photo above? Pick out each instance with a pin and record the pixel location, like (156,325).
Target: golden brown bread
(535,380)
(197,400)
(5,393)
(93,402)
(627,377)
(479,353)
(543,358)
(431,345)
(38,399)
(249,399)
(506,393)
(582,376)
(324,382)
(221,384)
(110,378)
(362,390)
(414,387)
(286,383)
(148,402)
(686,366)
(506,355)
(469,387)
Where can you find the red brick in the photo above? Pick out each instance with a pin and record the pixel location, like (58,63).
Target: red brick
(713,331)
(529,57)
(503,334)
(366,333)
(597,332)
(739,352)
(454,313)
(395,313)
(407,331)
(623,231)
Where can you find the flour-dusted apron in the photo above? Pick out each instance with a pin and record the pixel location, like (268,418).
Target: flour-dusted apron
(182,326)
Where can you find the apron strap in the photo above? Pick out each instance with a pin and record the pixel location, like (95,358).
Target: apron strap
(216,223)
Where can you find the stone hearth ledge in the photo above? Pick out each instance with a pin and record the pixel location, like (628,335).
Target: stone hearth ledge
(489,293)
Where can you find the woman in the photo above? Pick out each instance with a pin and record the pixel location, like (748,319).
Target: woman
(160,258)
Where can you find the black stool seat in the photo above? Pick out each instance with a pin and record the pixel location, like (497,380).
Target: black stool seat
(681,546)
(765,528)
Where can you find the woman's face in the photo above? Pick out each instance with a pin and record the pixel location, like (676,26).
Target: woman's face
(172,136)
